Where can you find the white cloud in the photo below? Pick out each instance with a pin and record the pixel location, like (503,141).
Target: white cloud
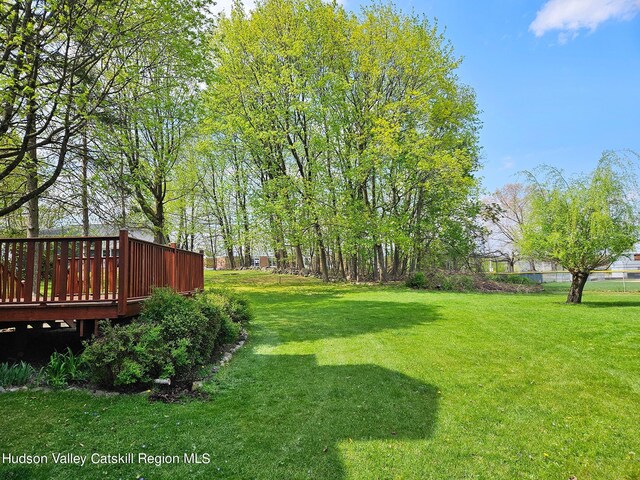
(570,16)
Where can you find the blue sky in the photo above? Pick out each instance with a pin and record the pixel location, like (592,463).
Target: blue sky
(558,81)
(558,91)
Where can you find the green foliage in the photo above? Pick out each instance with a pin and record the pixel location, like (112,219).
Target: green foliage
(15,375)
(583,223)
(63,368)
(466,282)
(457,283)
(235,306)
(417,280)
(513,279)
(229,331)
(441,280)
(358,127)
(173,337)
(128,355)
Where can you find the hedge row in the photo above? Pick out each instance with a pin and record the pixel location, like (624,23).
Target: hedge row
(173,338)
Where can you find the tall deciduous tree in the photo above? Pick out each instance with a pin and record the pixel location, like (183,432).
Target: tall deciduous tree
(59,61)
(509,208)
(363,140)
(150,122)
(582,223)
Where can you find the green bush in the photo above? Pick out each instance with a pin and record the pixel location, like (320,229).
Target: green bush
(235,306)
(128,355)
(15,375)
(457,282)
(440,280)
(229,332)
(173,337)
(514,279)
(417,280)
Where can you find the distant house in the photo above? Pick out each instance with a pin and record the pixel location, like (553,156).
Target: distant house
(222,263)
(627,267)
(629,262)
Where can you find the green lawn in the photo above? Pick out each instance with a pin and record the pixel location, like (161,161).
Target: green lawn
(630,286)
(373,382)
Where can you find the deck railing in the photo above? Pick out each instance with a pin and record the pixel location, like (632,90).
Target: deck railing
(89,269)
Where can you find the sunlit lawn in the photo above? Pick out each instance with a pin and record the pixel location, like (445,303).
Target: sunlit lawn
(369,382)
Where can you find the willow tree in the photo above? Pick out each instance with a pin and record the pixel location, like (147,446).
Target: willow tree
(582,223)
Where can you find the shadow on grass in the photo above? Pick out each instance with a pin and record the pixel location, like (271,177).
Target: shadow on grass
(269,417)
(299,317)
(302,411)
(617,303)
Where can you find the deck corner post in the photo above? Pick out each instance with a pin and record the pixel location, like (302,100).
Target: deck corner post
(174,266)
(201,273)
(123,274)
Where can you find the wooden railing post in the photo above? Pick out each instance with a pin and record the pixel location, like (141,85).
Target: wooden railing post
(201,270)
(123,274)
(174,266)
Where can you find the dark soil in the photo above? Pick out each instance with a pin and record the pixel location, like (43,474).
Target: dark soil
(177,395)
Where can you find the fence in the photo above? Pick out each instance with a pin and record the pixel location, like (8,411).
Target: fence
(82,270)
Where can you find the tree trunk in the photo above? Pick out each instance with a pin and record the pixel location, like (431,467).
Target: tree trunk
(381,264)
(231,258)
(159,236)
(247,255)
(84,194)
(299,258)
(353,268)
(343,274)
(395,270)
(33,209)
(578,280)
(324,267)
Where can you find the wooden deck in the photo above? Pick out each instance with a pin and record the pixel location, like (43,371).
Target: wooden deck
(88,278)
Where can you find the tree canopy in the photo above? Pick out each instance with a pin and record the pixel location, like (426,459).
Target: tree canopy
(583,223)
(359,139)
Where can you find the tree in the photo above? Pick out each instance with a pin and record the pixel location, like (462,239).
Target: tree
(363,141)
(151,120)
(582,223)
(509,208)
(59,62)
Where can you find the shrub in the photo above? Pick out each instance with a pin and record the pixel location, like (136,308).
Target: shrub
(235,306)
(417,280)
(513,279)
(173,337)
(15,375)
(229,332)
(128,355)
(440,280)
(458,282)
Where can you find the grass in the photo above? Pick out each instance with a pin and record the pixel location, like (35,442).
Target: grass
(630,286)
(368,382)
